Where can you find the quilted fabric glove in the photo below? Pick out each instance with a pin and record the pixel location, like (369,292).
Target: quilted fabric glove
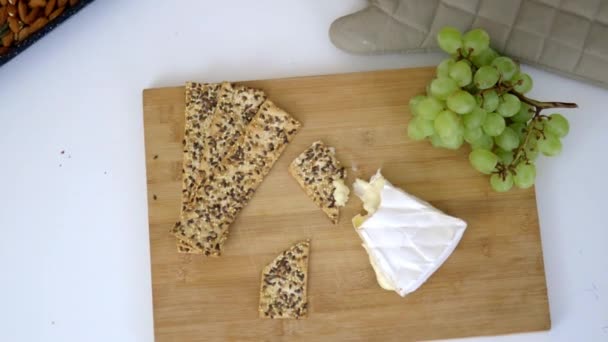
(569,37)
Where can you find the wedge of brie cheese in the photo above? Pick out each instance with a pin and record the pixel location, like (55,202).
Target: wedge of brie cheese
(406,238)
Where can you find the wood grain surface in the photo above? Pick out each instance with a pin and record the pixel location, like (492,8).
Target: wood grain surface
(494,283)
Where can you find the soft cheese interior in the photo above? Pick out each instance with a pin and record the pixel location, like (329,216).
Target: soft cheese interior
(406,238)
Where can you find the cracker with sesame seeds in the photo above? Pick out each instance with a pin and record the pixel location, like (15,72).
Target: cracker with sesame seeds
(225,193)
(233,107)
(283,284)
(319,174)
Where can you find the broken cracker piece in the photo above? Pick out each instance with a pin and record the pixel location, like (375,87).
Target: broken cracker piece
(283,284)
(322,177)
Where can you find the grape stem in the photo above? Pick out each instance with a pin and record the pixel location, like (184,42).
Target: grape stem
(542,105)
(538,107)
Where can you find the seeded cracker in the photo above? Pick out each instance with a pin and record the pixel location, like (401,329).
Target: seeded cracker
(201,101)
(315,170)
(283,284)
(236,106)
(226,192)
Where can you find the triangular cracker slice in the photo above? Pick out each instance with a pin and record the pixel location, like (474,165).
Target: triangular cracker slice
(321,175)
(283,284)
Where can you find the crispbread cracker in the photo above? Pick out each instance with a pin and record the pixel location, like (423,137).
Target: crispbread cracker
(201,100)
(283,284)
(315,170)
(235,107)
(222,196)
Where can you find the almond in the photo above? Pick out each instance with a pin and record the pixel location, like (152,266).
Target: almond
(12,10)
(56,13)
(50,5)
(7,40)
(14,24)
(3,15)
(24,33)
(38,24)
(37,3)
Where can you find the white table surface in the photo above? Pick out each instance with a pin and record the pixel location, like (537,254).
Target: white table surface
(74,252)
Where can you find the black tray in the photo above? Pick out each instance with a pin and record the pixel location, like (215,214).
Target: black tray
(17,49)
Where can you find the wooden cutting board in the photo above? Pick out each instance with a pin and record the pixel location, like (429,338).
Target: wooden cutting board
(494,283)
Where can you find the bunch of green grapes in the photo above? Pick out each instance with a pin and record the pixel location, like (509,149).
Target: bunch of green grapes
(478,98)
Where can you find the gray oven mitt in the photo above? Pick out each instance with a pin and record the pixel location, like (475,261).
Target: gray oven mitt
(569,37)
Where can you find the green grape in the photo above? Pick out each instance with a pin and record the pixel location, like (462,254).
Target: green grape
(525,175)
(557,125)
(442,87)
(484,58)
(443,68)
(532,154)
(461,73)
(484,143)
(522,83)
(550,145)
(483,161)
(436,141)
(414,132)
(452,142)
(414,102)
(506,67)
(475,118)
(486,77)
(448,124)
(449,39)
(509,105)
(505,157)
(508,140)
(428,108)
(418,128)
(531,148)
(490,100)
(461,102)
(426,126)
(494,124)
(520,129)
(525,113)
(471,135)
(476,41)
(500,183)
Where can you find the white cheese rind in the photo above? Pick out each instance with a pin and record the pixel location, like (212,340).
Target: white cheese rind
(406,238)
